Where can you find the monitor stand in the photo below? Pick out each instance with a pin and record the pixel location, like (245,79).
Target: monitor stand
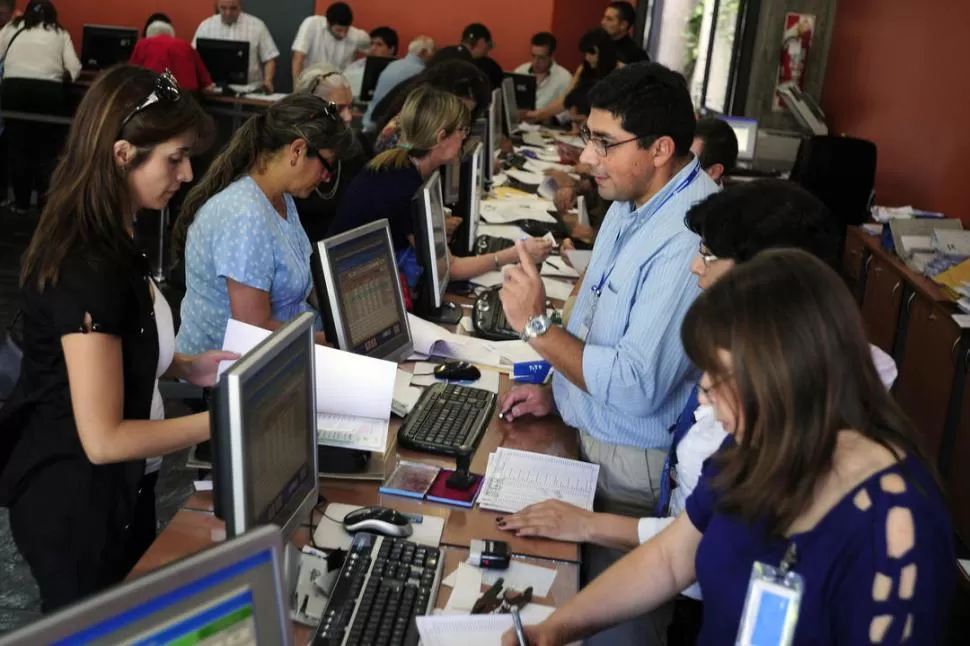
(448,314)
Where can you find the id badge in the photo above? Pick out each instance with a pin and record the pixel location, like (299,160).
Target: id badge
(771,607)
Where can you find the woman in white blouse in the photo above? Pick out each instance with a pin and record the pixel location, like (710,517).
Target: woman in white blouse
(38,57)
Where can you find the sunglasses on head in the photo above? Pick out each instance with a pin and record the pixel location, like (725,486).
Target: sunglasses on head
(166,89)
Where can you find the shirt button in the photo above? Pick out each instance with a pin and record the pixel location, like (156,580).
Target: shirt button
(141,331)
(152,314)
(126,527)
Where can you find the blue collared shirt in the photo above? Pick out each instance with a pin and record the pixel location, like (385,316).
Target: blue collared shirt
(634,364)
(393,75)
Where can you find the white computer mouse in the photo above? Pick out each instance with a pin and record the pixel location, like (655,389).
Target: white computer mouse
(378,520)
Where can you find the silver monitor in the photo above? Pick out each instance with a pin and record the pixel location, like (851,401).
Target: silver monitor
(451,184)
(509,105)
(360,293)
(230,594)
(431,244)
(472,192)
(746,132)
(494,133)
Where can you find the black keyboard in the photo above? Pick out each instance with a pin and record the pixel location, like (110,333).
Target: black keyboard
(487,245)
(448,420)
(488,318)
(537,229)
(383,585)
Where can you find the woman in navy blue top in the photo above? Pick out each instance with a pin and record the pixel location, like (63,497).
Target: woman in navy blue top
(820,466)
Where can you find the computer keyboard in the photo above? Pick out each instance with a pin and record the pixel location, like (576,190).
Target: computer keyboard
(537,229)
(488,318)
(489,244)
(383,585)
(447,420)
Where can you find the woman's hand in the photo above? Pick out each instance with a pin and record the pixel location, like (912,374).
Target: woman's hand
(551,519)
(539,635)
(452,222)
(538,249)
(202,369)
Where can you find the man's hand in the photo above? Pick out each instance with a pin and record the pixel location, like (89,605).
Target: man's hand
(523,294)
(528,400)
(562,179)
(452,222)
(564,198)
(268,87)
(551,519)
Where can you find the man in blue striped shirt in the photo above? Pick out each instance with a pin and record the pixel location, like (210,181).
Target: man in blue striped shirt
(621,373)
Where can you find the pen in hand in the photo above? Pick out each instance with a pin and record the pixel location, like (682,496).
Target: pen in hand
(519,630)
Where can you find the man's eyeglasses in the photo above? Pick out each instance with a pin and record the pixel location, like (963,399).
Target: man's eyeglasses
(166,89)
(601,147)
(706,255)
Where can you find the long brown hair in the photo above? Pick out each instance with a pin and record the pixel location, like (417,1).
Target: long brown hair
(89,204)
(297,116)
(802,370)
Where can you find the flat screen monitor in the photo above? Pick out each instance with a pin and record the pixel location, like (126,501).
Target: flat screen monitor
(232,593)
(226,60)
(357,284)
(469,200)
(372,71)
(264,439)
(525,90)
(451,182)
(431,245)
(103,46)
(803,107)
(746,131)
(493,131)
(509,106)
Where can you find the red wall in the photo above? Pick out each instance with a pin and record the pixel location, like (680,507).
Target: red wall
(896,76)
(570,20)
(185,14)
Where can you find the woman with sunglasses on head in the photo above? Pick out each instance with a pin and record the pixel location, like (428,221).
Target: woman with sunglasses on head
(318,210)
(820,500)
(246,255)
(86,413)
(433,127)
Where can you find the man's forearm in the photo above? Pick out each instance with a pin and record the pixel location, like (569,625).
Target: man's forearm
(269,72)
(564,352)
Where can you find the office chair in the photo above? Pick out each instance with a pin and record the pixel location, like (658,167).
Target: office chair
(840,171)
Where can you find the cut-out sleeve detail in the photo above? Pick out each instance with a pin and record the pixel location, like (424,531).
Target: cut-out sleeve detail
(90,299)
(882,587)
(893,483)
(878,628)
(862,500)
(908,630)
(900,532)
(907,582)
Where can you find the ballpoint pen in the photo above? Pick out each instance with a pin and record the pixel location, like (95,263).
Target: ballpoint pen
(519,630)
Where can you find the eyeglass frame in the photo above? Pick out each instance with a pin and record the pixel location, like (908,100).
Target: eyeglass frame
(601,147)
(706,391)
(166,88)
(706,256)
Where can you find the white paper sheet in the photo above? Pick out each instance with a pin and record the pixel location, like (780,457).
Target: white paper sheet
(351,432)
(520,575)
(516,479)
(557,289)
(405,396)
(510,211)
(571,140)
(534,139)
(526,177)
(434,340)
(507,231)
(579,258)
(555,266)
(347,384)
(541,166)
(551,239)
(449,628)
(466,590)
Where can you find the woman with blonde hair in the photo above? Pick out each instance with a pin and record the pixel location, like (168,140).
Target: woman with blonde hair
(433,126)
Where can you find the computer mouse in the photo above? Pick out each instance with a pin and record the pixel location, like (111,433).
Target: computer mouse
(457,371)
(379,520)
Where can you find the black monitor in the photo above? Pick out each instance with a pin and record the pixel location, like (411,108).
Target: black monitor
(469,200)
(226,60)
(525,87)
(510,107)
(372,71)
(103,46)
(232,593)
(431,245)
(263,420)
(451,182)
(356,278)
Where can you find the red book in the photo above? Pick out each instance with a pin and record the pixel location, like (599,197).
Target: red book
(441,492)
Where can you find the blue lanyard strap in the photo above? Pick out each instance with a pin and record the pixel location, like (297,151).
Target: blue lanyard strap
(598,287)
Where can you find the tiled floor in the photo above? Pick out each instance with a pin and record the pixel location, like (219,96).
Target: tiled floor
(19,601)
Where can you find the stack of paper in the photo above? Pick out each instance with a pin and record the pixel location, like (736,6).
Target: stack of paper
(433,340)
(474,630)
(353,392)
(508,211)
(516,479)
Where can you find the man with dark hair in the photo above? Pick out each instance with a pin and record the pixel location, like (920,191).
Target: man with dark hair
(621,373)
(330,39)
(618,21)
(383,43)
(476,42)
(552,79)
(716,146)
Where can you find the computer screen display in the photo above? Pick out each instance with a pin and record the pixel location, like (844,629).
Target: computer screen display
(226,60)
(229,594)
(103,46)
(364,308)
(746,131)
(510,107)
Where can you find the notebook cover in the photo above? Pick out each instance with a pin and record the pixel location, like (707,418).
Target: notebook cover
(441,492)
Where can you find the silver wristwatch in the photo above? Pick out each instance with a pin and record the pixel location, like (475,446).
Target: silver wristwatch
(535,327)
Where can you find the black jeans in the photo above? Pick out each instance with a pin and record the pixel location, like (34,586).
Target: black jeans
(32,147)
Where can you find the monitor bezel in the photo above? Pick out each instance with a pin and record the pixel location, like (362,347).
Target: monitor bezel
(224,44)
(436,285)
(509,105)
(89,31)
(494,115)
(372,74)
(336,316)
(475,161)
(752,125)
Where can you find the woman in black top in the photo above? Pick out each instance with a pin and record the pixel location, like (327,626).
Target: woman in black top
(75,435)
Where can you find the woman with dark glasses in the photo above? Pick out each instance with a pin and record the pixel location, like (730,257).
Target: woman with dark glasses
(78,435)
(246,255)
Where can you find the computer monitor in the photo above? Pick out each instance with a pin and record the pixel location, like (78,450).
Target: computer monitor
(451,182)
(804,108)
(509,106)
(372,71)
(492,131)
(746,131)
(469,200)
(232,593)
(263,420)
(103,46)
(525,90)
(226,60)
(359,291)
(431,245)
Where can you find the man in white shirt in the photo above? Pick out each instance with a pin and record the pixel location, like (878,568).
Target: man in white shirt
(552,79)
(232,23)
(328,39)
(383,43)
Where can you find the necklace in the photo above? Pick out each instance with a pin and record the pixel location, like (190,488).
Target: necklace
(336,185)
